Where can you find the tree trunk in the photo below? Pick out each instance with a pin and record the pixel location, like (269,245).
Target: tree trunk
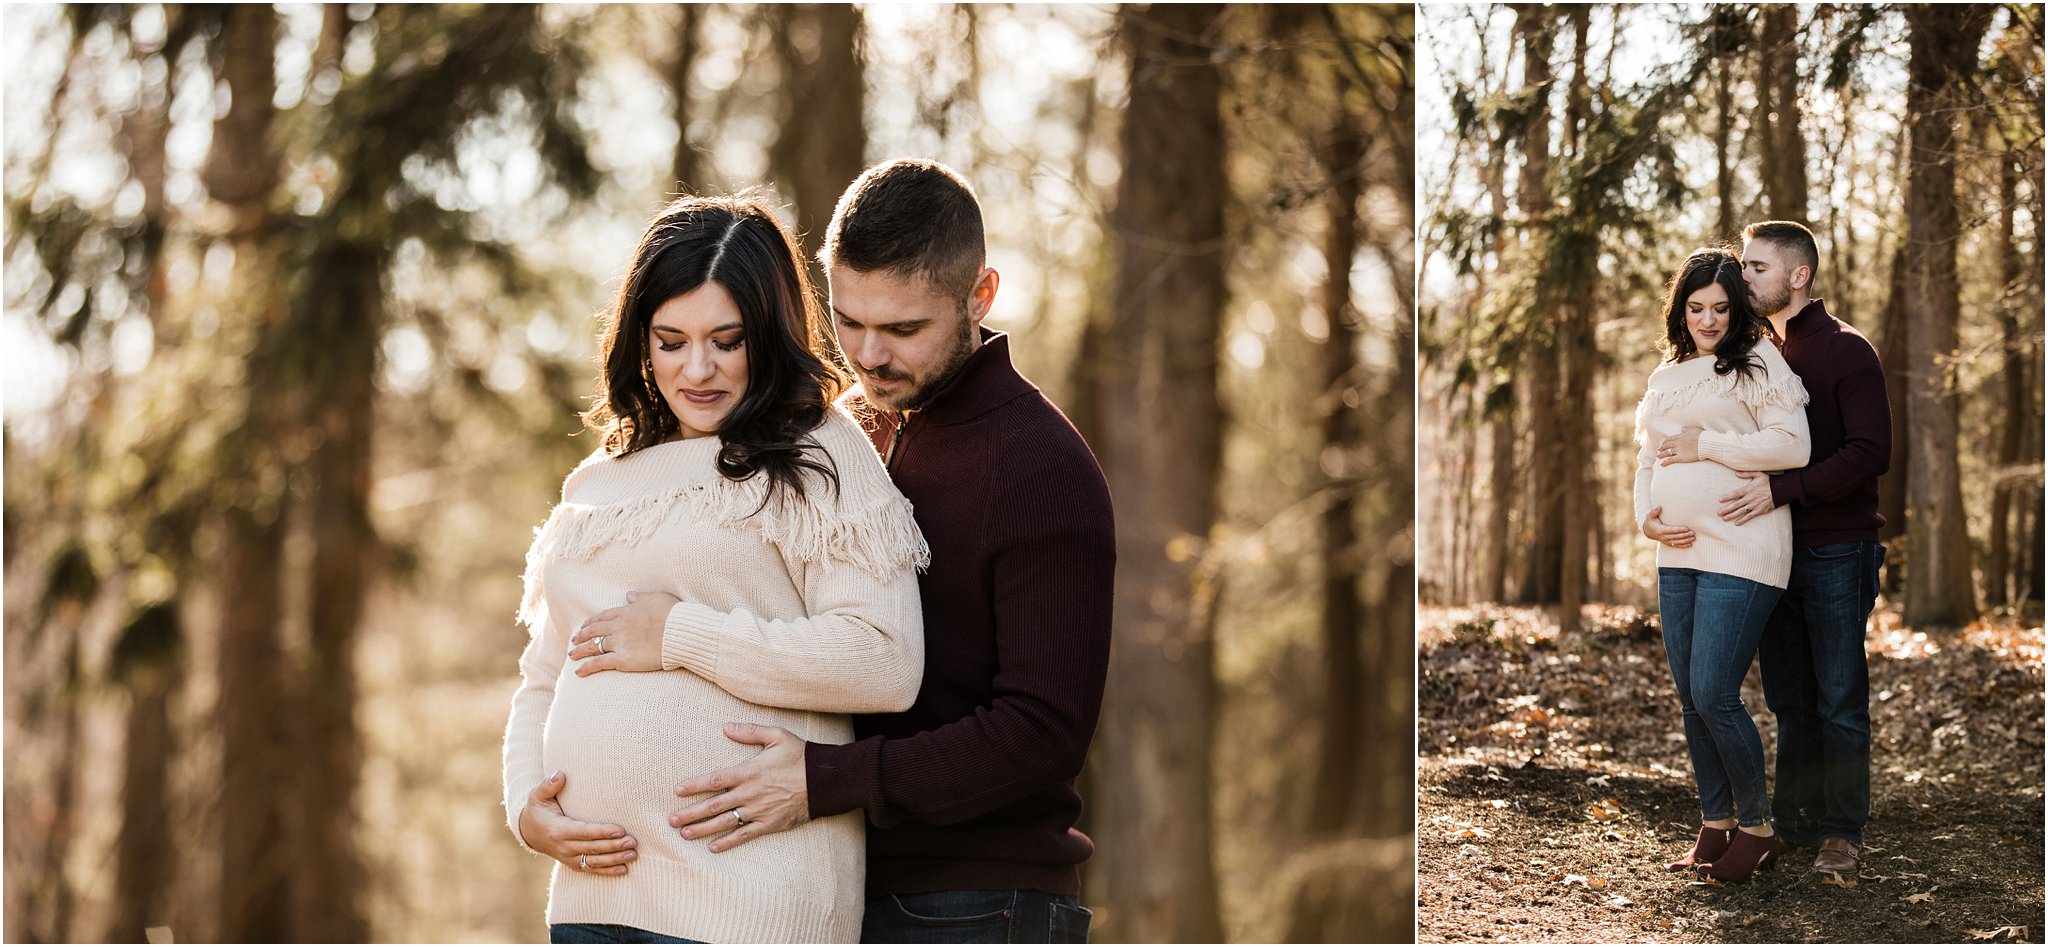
(1343,714)
(1464,577)
(1724,172)
(1497,408)
(55,861)
(1943,46)
(344,312)
(255,854)
(148,664)
(2018,399)
(821,145)
(1164,421)
(1891,488)
(1501,484)
(683,170)
(1544,496)
(1546,474)
(1785,147)
(1576,375)
(256,850)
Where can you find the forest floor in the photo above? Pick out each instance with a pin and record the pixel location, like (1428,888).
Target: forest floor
(1553,787)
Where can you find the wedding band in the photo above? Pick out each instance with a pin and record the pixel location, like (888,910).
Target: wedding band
(737,818)
(603,646)
(582,863)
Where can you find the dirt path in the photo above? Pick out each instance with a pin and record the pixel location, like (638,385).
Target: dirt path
(1553,786)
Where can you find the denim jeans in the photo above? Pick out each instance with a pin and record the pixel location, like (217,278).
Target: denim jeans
(975,917)
(1817,681)
(608,934)
(1712,623)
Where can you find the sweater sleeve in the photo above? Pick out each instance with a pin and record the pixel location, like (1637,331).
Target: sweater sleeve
(1052,562)
(539,667)
(1646,460)
(1777,406)
(859,648)
(1860,399)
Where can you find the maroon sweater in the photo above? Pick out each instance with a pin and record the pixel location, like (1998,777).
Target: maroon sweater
(1834,497)
(973,786)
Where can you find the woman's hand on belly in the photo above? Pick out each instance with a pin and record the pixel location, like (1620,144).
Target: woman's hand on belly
(1680,448)
(626,638)
(594,847)
(1677,537)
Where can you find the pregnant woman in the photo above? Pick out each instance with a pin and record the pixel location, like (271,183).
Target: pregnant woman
(1723,401)
(730,481)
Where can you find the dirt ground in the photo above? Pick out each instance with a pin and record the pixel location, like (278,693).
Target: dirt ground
(1553,787)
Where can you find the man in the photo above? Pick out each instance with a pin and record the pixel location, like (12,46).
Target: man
(970,794)
(1812,661)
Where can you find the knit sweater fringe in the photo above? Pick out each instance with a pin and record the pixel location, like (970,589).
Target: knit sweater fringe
(1754,391)
(879,540)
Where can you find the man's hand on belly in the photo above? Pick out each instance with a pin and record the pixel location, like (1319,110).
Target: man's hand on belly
(767,794)
(627,638)
(1750,502)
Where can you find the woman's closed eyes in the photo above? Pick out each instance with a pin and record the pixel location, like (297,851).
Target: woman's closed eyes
(732,346)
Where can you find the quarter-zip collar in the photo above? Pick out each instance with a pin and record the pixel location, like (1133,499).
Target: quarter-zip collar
(985,381)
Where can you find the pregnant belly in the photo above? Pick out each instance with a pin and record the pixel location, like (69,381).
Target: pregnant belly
(1691,493)
(625,740)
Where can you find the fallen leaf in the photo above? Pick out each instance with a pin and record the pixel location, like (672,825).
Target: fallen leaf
(1599,781)
(1921,898)
(1993,933)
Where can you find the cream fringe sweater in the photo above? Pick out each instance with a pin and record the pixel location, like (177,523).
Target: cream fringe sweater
(1754,422)
(795,616)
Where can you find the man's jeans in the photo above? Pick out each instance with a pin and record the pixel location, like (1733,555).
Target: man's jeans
(975,917)
(1711,626)
(1817,682)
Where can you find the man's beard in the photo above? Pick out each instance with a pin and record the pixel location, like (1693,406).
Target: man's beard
(1765,304)
(963,348)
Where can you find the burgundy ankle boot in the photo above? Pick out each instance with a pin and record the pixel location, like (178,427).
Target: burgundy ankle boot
(1746,856)
(1712,842)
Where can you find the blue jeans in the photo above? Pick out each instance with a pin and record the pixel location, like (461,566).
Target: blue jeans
(1817,681)
(975,917)
(608,934)
(1712,623)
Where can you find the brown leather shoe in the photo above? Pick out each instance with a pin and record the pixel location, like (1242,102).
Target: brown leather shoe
(1745,856)
(1712,842)
(1836,863)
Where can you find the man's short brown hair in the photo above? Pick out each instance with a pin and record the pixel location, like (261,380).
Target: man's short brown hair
(909,216)
(1792,236)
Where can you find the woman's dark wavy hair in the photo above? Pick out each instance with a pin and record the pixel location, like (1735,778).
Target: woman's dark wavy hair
(792,375)
(1713,265)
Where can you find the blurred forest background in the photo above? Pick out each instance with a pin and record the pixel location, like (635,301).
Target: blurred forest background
(1583,152)
(1588,150)
(301,305)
